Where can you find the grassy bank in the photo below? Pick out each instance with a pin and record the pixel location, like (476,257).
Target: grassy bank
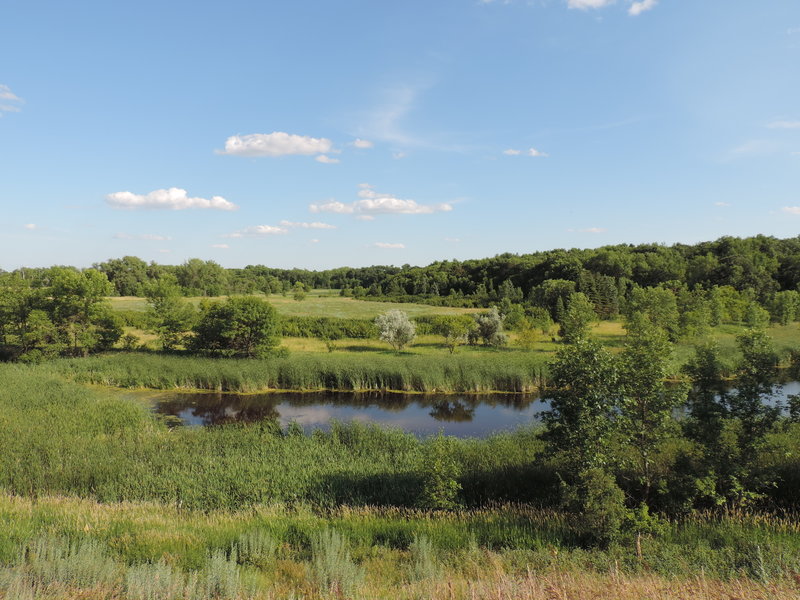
(62,438)
(78,548)
(460,373)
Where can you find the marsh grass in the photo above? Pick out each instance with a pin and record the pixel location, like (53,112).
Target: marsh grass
(407,372)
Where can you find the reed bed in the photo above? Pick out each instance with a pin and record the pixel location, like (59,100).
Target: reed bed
(462,373)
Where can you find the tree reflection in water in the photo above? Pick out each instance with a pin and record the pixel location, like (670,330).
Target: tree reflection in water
(412,412)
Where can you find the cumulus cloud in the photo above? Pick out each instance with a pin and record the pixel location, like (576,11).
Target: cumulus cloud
(325,159)
(277,143)
(142,236)
(258,231)
(784,125)
(587,4)
(314,225)
(363,144)
(30,226)
(9,101)
(638,8)
(171,199)
(371,202)
(792,210)
(388,245)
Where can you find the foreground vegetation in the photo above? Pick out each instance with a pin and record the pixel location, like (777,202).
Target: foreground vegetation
(58,547)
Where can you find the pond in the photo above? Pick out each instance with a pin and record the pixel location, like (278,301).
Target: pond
(422,414)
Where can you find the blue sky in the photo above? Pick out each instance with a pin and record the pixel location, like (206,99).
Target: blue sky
(319,134)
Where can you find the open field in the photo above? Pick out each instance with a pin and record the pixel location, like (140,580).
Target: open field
(318,303)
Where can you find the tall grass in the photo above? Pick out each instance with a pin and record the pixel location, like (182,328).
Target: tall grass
(466,373)
(65,548)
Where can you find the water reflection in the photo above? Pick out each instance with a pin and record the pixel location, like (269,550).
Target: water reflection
(423,414)
(458,415)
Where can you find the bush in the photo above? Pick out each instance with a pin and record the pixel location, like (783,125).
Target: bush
(395,328)
(242,326)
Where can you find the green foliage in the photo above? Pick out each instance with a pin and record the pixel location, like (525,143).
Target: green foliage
(659,305)
(756,316)
(439,472)
(455,329)
(597,505)
(70,315)
(330,327)
(527,335)
(785,307)
(584,390)
(647,404)
(577,319)
(244,326)
(170,316)
(299,291)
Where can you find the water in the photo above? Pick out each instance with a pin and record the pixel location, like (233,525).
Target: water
(458,415)
(423,414)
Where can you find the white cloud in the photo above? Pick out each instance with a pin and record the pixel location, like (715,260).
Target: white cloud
(452,240)
(722,204)
(165,251)
(315,241)
(172,199)
(374,203)
(220,246)
(327,159)
(277,143)
(784,125)
(143,236)
(363,144)
(638,8)
(314,225)
(792,210)
(333,206)
(258,231)
(530,152)
(30,226)
(6,95)
(365,218)
(398,155)
(586,4)
(388,245)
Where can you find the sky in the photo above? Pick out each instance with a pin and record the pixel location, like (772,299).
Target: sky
(321,133)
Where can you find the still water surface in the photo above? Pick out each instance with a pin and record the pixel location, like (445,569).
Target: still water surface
(423,414)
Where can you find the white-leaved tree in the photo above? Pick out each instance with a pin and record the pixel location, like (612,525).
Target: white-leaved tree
(396,328)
